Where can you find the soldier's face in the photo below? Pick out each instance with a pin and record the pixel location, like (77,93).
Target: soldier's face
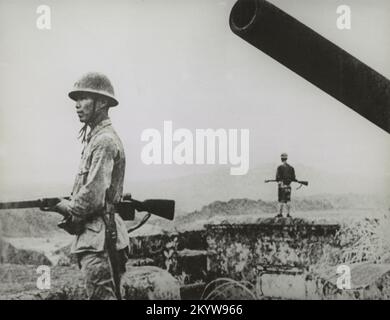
(84,108)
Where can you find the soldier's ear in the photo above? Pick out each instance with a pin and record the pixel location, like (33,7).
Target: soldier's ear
(101,103)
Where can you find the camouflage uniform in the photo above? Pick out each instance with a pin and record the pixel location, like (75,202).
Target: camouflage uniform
(98,186)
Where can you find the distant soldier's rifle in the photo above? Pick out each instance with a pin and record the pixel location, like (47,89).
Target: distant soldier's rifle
(302,183)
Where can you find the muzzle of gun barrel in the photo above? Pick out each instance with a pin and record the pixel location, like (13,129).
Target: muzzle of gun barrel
(314,58)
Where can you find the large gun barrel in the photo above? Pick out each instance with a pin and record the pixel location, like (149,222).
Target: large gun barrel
(314,58)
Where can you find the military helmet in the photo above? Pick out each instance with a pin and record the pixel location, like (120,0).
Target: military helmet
(95,83)
(284,156)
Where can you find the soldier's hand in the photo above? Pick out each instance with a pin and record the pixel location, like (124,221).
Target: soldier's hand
(72,224)
(62,207)
(49,204)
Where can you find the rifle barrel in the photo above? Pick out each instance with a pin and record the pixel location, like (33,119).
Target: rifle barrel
(20,204)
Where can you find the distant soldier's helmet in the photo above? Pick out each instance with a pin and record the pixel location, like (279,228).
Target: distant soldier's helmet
(97,84)
(284,156)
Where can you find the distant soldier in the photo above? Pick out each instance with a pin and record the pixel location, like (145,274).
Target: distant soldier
(285,174)
(98,186)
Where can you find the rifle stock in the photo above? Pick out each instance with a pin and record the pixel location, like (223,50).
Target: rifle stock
(160,207)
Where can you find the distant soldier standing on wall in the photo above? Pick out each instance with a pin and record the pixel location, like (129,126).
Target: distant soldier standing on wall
(97,188)
(285,174)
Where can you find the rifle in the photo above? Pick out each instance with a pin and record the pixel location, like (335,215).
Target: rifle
(126,208)
(301,182)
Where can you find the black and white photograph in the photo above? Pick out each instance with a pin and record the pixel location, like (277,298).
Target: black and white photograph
(198,150)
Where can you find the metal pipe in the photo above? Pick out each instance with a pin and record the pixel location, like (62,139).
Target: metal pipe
(314,58)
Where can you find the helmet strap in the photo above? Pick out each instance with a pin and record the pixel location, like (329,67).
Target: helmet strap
(83,133)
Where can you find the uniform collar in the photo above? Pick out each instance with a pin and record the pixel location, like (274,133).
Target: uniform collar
(98,127)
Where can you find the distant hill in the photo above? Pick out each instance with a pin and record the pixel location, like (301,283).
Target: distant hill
(326,207)
(192,192)
(28,223)
(236,207)
(350,201)
(10,254)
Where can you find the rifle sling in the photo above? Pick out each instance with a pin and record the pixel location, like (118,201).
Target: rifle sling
(110,246)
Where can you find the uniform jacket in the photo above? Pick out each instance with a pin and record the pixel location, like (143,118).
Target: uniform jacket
(102,168)
(285,173)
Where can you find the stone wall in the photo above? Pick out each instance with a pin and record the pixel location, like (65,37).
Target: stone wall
(276,256)
(241,251)
(146,246)
(168,250)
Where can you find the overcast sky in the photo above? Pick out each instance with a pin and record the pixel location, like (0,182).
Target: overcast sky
(178,61)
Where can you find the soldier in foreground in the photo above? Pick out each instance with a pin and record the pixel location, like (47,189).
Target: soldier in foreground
(285,174)
(97,188)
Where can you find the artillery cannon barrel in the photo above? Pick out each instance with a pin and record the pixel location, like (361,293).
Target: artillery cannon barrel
(314,58)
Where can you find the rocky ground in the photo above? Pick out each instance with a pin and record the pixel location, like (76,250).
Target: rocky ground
(20,282)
